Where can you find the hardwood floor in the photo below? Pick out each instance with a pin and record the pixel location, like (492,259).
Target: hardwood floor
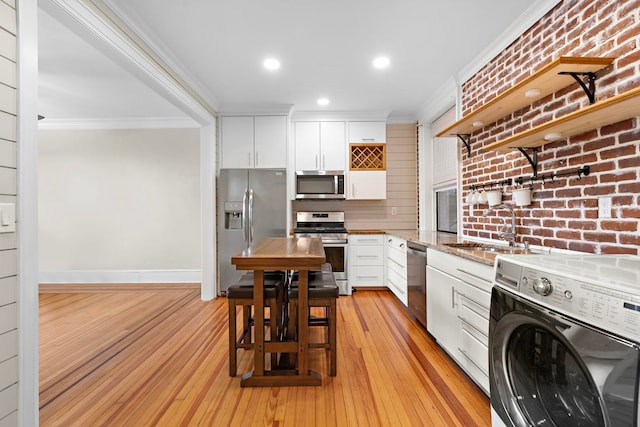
(138,358)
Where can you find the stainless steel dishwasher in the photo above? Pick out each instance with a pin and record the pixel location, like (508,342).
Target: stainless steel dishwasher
(417,281)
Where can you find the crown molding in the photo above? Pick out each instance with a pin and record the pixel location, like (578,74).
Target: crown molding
(120,123)
(439,102)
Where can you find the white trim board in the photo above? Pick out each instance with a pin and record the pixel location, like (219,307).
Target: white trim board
(121,276)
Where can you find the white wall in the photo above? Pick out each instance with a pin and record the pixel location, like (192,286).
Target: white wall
(113,200)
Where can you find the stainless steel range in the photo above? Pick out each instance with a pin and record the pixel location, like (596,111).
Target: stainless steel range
(328,226)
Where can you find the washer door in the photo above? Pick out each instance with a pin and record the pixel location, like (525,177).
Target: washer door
(549,371)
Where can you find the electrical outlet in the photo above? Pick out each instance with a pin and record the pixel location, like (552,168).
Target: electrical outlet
(604,207)
(394,211)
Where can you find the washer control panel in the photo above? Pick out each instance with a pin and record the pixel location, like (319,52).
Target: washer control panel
(605,307)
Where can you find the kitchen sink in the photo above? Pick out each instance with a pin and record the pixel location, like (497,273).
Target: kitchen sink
(483,247)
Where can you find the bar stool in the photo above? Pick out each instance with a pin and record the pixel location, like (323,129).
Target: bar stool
(241,294)
(323,292)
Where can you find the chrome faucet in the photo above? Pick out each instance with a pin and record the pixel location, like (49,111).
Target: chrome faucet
(509,236)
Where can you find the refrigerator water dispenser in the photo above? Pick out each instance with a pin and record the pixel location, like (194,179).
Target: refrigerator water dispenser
(233,215)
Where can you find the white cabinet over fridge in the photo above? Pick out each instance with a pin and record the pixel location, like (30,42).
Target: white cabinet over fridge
(248,142)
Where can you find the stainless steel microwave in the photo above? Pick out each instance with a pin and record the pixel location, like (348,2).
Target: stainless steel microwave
(320,185)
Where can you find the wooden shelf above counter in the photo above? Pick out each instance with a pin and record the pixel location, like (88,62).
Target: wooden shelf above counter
(602,113)
(540,84)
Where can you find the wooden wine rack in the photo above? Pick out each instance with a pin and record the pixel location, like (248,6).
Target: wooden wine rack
(368,157)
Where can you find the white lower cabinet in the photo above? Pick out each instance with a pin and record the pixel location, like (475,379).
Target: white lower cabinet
(366,260)
(458,301)
(396,267)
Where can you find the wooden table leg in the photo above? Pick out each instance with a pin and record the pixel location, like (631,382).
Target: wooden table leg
(303,321)
(258,319)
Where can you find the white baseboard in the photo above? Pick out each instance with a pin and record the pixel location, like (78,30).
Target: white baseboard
(121,276)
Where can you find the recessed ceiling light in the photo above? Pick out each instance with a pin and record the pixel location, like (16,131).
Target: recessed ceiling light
(323,101)
(381,62)
(271,64)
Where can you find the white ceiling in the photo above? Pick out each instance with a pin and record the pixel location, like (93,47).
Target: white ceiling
(76,81)
(325,48)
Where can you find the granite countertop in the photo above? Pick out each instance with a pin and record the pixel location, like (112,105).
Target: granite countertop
(439,241)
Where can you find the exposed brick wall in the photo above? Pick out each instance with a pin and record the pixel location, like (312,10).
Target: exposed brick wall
(564,213)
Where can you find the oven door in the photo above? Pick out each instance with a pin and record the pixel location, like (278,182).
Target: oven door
(549,370)
(336,254)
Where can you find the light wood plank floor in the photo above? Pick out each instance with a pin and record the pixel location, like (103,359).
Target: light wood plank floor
(138,358)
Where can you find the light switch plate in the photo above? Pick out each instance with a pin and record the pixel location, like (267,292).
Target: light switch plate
(604,207)
(7,218)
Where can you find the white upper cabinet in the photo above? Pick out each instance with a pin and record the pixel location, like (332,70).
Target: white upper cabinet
(363,132)
(320,145)
(333,146)
(236,142)
(270,142)
(253,142)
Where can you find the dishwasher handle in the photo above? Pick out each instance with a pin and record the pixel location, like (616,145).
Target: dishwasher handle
(416,252)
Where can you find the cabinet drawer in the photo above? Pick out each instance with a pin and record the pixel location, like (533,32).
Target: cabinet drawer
(398,285)
(443,261)
(397,261)
(366,276)
(366,239)
(474,350)
(397,243)
(479,297)
(367,255)
(474,315)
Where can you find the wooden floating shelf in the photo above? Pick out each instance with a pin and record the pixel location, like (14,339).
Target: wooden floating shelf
(547,81)
(602,113)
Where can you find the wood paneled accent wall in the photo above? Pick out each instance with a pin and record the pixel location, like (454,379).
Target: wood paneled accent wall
(564,213)
(402,189)
(8,194)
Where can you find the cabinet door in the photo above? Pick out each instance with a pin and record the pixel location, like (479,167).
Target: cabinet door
(367,185)
(367,132)
(333,146)
(270,142)
(236,142)
(442,320)
(307,145)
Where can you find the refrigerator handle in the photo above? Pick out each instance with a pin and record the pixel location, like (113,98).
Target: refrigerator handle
(245,222)
(250,216)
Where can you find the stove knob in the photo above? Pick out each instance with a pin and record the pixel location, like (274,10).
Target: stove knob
(542,286)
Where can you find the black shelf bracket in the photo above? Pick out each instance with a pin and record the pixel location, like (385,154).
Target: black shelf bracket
(583,171)
(465,138)
(532,159)
(591,79)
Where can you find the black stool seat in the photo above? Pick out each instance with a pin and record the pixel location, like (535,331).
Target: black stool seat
(244,288)
(317,290)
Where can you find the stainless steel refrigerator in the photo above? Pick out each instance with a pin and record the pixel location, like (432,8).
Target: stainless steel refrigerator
(251,206)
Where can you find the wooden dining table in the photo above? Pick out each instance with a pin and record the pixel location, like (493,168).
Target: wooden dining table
(281,253)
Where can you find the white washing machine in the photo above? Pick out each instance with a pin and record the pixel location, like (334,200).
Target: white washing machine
(564,341)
